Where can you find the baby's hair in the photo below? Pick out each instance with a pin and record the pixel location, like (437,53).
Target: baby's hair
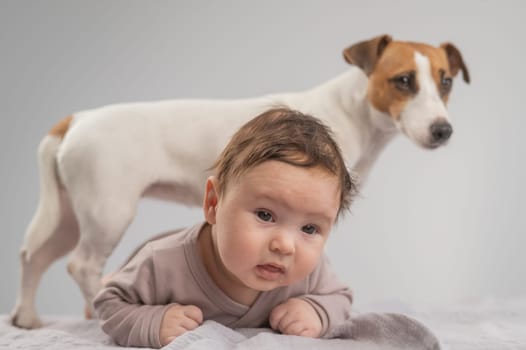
(288,136)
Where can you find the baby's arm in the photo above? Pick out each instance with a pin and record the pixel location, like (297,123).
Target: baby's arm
(327,298)
(130,309)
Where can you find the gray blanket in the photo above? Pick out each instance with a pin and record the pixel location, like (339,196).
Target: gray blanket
(487,324)
(372,331)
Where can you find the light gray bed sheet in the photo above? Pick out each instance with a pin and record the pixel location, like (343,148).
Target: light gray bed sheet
(490,324)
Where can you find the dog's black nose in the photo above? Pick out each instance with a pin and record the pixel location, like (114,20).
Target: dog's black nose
(441,131)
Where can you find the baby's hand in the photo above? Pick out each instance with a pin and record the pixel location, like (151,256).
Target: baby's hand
(177,320)
(296,317)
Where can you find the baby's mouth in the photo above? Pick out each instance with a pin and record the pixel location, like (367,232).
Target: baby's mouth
(270,272)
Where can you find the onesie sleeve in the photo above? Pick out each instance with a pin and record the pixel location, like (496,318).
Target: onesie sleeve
(329,297)
(128,306)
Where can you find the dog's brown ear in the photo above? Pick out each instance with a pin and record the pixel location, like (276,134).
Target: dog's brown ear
(365,54)
(456,62)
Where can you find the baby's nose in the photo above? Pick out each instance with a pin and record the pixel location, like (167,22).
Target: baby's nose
(282,243)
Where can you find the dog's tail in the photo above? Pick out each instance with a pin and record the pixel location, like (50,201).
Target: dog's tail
(48,215)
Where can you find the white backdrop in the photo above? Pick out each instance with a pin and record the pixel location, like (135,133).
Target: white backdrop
(434,226)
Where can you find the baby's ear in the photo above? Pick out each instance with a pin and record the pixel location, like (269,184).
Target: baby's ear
(211,199)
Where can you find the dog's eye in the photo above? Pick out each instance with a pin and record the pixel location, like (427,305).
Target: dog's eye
(445,84)
(405,82)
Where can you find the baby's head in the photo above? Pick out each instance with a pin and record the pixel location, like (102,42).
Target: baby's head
(290,137)
(280,185)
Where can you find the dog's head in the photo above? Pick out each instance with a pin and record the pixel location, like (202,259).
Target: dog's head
(411,83)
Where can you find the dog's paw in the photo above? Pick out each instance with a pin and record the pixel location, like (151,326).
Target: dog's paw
(88,314)
(25,319)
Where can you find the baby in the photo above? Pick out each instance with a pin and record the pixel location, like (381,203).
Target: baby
(257,259)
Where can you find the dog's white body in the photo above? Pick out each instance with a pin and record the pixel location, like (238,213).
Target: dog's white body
(97,166)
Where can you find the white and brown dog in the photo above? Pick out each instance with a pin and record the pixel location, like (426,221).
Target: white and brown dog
(97,164)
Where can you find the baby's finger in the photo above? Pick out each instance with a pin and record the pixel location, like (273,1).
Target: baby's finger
(309,332)
(287,320)
(189,323)
(295,328)
(194,313)
(276,315)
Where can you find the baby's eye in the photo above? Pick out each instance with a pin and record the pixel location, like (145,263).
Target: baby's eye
(264,215)
(310,229)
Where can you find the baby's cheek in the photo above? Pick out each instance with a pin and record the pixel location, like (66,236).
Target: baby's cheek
(238,252)
(306,263)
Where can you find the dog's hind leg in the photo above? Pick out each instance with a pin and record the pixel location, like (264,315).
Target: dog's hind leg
(102,223)
(60,241)
(51,234)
